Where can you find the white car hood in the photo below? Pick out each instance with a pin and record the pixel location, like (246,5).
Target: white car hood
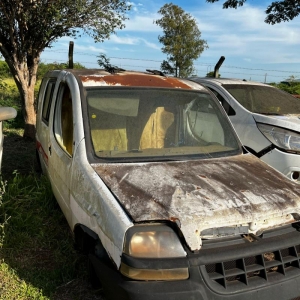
(206,198)
(291,122)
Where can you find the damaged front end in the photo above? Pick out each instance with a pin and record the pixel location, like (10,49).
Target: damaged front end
(208,222)
(195,207)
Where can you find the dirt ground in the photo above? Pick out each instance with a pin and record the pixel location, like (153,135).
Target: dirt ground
(18,155)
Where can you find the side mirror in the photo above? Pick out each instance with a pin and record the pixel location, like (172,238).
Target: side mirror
(7,113)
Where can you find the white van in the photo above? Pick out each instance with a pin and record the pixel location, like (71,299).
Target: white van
(158,191)
(266,119)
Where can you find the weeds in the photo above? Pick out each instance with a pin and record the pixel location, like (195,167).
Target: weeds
(37,258)
(12,287)
(2,191)
(9,96)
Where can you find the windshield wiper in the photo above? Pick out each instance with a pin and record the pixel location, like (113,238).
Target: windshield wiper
(134,151)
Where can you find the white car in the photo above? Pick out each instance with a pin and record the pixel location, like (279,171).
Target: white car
(266,119)
(155,185)
(6,113)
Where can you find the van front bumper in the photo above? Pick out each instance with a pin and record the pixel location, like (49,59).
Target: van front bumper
(266,269)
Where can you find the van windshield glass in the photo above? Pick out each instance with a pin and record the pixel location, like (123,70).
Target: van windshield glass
(140,122)
(264,99)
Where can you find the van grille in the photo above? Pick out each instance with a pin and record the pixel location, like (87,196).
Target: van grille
(259,267)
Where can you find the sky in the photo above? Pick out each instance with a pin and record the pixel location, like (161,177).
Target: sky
(253,50)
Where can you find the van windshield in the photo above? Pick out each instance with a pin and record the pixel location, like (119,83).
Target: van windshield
(141,122)
(264,99)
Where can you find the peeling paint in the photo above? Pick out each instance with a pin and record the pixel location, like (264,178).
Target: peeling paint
(204,194)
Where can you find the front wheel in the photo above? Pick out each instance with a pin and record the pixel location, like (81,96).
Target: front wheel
(93,278)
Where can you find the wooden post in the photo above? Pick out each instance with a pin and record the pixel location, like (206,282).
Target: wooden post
(71,50)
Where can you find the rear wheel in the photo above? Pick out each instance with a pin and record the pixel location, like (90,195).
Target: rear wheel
(37,163)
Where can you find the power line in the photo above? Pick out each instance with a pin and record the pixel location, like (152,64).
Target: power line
(196,64)
(143,67)
(197,70)
(265,70)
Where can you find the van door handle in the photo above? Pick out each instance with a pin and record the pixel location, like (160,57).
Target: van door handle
(50,150)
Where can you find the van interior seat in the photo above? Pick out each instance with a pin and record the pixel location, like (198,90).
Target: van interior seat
(150,129)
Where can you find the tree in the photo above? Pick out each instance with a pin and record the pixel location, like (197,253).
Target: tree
(44,68)
(4,69)
(291,88)
(104,61)
(27,27)
(211,74)
(182,40)
(277,11)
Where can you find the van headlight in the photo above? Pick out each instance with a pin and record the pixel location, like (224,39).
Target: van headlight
(282,138)
(153,241)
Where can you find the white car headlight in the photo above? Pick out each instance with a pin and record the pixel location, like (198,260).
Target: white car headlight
(153,241)
(282,138)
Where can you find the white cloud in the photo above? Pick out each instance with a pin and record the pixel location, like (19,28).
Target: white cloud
(142,24)
(124,40)
(243,32)
(82,47)
(150,45)
(133,41)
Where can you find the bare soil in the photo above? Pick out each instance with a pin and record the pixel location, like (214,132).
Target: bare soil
(18,154)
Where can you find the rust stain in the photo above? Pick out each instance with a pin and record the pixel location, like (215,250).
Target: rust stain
(175,220)
(135,80)
(41,150)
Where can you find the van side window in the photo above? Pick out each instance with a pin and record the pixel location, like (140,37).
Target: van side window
(48,100)
(229,110)
(63,119)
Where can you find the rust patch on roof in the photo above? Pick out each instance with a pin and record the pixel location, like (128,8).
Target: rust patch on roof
(135,80)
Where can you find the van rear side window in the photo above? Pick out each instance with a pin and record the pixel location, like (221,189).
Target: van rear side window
(48,100)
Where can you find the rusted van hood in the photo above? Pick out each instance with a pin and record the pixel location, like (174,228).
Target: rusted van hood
(207,198)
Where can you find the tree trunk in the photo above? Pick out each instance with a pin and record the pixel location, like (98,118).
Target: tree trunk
(25,79)
(23,66)
(29,112)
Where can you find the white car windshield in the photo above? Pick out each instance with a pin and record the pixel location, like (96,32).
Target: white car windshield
(150,122)
(264,99)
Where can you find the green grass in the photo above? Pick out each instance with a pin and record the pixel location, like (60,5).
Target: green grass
(37,256)
(9,96)
(12,287)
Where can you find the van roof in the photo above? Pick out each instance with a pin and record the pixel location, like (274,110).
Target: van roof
(119,77)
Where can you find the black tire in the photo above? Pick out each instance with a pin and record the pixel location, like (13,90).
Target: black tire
(93,278)
(37,164)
